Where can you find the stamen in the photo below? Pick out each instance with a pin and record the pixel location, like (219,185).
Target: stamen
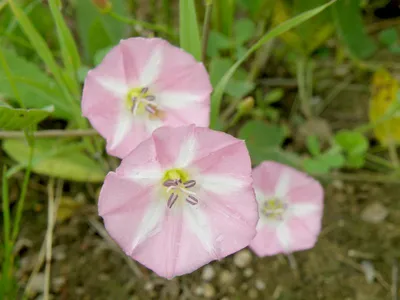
(192,200)
(144,90)
(150,109)
(189,184)
(150,98)
(171,200)
(170,182)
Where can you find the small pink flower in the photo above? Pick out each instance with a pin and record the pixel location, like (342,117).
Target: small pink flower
(291,207)
(143,84)
(181,199)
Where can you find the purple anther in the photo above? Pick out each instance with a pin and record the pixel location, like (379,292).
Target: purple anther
(150,98)
(189,184)
(170,182)
(144,90)
(150,109)
(171,200)
(192,200)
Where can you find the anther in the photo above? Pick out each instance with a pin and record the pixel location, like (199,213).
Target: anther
(171,200)
(189,184)
(150,98)
(150,109)
(171,182)
(144,90)
(192,200)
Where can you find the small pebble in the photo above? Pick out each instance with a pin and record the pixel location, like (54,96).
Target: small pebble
(374,213)
(260,285)
(149,286)
(199,291)
(209,291)
(226,277)
(208,273)
(242,259)
(248,272)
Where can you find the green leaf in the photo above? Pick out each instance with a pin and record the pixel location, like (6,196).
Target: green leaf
(216,42)
(96,30)
(333,159)
(224,15)
(19,118)
(221,86)
(52,158)
(69,50)
(41,48)
(263,141)
(388,36)
(349,25)
(244,30)
(189,29)
(315,166)
(313,145)
(35,88)
(274,95)
(352,142)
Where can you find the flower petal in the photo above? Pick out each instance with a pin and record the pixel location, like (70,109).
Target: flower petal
(266,242)
(178,100)
(304,231)
(284,237)
(223,185)
(152,67)
(303,210)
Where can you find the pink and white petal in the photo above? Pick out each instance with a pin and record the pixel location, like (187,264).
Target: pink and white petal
(142,60)
(304,209)
(309,193)
(101,107)
(218,147)
(266,176)
(222,185)
(118,192)
(161,251)
(198,114)
(128,134)
(175,147)
(182,73)
(179,100)
(304,231)
(266,242)
(141,165)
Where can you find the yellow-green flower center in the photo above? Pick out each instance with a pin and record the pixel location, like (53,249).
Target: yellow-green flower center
(178,185)
(140,101)
(176,174)
(274,209)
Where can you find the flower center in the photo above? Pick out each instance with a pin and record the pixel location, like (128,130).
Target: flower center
(274,209)
(178,184)
(140,101)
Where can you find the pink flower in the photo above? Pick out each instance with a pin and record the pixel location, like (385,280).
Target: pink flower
(181,199)
(290,205)
(143,84)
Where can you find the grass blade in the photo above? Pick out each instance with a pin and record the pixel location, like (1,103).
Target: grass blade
(284,27)
(189,29)
(6,265)
(69,50)
(19,118)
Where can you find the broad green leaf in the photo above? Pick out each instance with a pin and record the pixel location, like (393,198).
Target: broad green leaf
(350,27)
(274,95)
(19,118)
(244,30)
(69,50)
(52,158)
(216,42)
(388,36)
(313,145)
(352,142)
(35,88)
(221,86)
(315,166)
(96,30)
(189,29)
(42,49)
(264,142)
(238,86)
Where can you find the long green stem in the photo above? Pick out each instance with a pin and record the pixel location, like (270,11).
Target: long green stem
(21,200)
(206,29)
(7,245)
(302,80)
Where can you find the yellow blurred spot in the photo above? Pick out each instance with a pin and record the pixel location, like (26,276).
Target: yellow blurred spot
(67,208)
(384,90)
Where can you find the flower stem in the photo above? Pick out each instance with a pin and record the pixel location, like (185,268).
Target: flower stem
(21,200)
(49,133)
(206,29)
